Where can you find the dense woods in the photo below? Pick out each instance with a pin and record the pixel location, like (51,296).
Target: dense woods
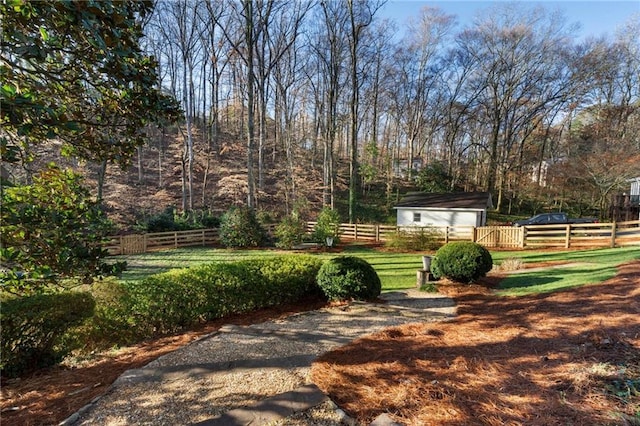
(291,105)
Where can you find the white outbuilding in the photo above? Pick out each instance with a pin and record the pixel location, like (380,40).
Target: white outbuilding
(444,209)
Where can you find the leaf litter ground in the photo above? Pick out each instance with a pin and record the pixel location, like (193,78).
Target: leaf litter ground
(565,358)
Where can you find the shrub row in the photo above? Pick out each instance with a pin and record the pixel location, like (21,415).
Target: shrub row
(40,330)
(172,300)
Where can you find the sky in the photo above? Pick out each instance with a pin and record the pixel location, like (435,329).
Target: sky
(596,17)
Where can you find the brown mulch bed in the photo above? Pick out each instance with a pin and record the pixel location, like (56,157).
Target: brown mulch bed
(566,358)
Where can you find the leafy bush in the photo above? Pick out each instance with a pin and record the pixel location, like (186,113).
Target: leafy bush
(35,329)
(239,227)
(434,177)
(112,322)
(327,225)
(290,232)
(423,239)
(51,230)
(349,277)
(462,261)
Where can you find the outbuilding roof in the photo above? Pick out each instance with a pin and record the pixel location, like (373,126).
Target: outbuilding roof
(447,200)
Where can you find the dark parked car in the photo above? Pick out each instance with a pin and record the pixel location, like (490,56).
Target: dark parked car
(553,219)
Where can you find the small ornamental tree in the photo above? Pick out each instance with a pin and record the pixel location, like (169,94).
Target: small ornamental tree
(290,232)
(328,225)
(51,230)
(462,261)
(239,227)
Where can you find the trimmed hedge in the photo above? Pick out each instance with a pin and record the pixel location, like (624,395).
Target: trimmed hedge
(40,330)
(349,277)
(170,301)
(462,261)
(35,329)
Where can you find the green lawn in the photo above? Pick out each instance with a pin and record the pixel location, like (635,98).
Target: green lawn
(398,270)
(592,267)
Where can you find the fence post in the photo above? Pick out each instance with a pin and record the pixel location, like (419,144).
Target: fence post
(523,235)
(175,239)
(144,243)
(377,233)
(355,231)
(613,234)
(567,242)
(474,235)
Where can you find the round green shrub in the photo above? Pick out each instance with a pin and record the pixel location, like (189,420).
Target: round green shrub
(462,261)
(349,277)
(239,227)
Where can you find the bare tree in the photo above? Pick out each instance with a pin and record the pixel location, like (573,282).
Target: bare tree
(214,52)
(327,76)
(516,51)
(178,24)
(279,26)
(361,14)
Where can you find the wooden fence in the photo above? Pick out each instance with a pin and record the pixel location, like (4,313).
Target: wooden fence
(588,235)
(566,236)
(142,243)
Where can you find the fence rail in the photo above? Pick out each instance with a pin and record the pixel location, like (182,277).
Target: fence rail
(142,243)
(590,235)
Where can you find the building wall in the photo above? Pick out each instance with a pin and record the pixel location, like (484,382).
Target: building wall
(635,186)
(440,217)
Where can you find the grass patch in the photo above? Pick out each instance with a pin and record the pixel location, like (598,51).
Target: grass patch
(140,266)
(397,271)
(592,267)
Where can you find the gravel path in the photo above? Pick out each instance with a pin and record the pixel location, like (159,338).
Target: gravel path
(239,366)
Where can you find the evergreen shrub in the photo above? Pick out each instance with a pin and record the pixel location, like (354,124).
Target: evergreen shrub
(462,261)
(35,329)
(239,227)
(169,220)
(349,277)
(290,232)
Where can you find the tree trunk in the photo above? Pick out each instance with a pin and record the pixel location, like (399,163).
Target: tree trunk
(249,39)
